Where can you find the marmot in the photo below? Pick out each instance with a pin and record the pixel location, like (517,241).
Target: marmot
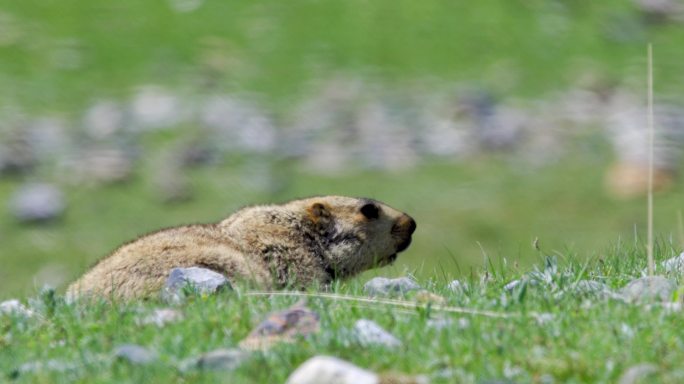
(296,244)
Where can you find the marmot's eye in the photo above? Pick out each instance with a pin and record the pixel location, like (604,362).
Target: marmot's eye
(371,211)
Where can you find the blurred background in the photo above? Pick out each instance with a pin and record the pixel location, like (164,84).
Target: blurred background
(493,123)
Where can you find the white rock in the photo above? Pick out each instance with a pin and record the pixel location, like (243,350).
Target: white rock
(652,288)
(222,359)
(457,286)
(161,317)
(331,370)
(37,203)
(135,354)
(155,108)
(638,373)
(381,286)
(14,307)
(204,281)
(674,264)
(368,332)
(512,285)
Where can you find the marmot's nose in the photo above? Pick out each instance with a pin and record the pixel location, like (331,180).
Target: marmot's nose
(412,226)
(406,224)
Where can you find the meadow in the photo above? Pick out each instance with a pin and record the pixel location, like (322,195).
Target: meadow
(486,221)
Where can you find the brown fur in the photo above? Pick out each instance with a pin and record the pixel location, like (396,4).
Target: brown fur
(295,244)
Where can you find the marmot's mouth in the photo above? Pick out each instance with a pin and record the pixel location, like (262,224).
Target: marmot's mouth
(404,244)
(392,258)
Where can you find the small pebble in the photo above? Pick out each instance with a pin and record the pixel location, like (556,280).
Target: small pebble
(135,354)
(202,280)
(284,326)
(222,360)
(38,202)
(161,317)
(331,370)
(367,332)
(652,288)
(382,286)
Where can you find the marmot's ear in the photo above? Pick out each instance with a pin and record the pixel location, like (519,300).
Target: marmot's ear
(318,212)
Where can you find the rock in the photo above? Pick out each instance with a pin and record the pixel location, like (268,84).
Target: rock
(331,370)
(382,286)
(284,326)
(103,119)
(45,366)
(101,166)
(674,264)
(135,354)
(439,323)
(652,288)
(512,285)
(222,359)
(590,288)
(37,202)
(17,155)
(458,287)
(14,307)
(638,374)
(368,332)
(202,280)
(154,108)
(161,317)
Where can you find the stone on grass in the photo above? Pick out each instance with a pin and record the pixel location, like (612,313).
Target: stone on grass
(590,288)
(201,280)
(674,264)
(382,286)
(37,202)
(222,360)
(367,333)
(512,285)
(331,370)
(457,286)
(284,326)
(45,366)
(652,288)
(638,374)
(14,307)
(161,317)
(135,354)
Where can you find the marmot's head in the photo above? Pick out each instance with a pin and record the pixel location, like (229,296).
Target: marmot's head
(355,234)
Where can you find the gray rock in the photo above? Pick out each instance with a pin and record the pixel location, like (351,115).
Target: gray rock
(382,286)
(652,288)
(590,288)
(14,307)
(367,332)
(512,285)
(154,108)
(331,370)
(103,119)
(46,366)
(638,374)
(101,166)
(37,202)
(135,354)
(222,359)
(202,280)
(161,317)
(458,287)
(674,264)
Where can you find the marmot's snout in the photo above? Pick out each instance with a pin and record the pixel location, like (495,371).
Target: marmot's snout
(402,231)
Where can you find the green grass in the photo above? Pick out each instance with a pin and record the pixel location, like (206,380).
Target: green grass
(59,56)
(583,339)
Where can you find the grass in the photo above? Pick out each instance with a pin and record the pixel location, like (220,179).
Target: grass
(552,334)
(59,56)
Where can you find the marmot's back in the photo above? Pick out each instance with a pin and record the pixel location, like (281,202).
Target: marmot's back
(296,244)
